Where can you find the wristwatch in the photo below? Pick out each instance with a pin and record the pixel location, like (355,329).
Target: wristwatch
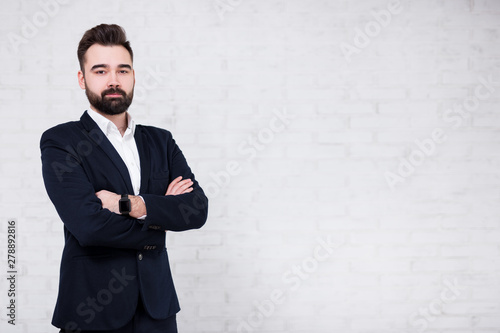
(124,205)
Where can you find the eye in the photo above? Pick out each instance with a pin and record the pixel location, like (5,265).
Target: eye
(99,72)
(124,71)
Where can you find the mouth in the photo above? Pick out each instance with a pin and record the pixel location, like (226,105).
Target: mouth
(114,95)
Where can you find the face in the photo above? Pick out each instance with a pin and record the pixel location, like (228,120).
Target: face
(108,78)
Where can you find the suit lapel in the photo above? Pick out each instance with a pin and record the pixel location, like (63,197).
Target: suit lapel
(144,156)
(98,137)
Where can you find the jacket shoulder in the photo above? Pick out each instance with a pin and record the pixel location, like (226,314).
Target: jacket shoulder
(62,128)
(156,132)
(62,131)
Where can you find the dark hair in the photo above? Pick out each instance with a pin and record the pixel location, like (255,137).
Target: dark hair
(103,34)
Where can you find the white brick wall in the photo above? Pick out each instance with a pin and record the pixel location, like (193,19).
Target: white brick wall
(216,79)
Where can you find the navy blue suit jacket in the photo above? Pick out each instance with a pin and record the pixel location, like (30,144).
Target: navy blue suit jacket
(110,260)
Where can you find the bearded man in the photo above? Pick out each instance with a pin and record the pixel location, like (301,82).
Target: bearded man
(117,187)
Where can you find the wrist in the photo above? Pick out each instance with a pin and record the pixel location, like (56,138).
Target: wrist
(138,207)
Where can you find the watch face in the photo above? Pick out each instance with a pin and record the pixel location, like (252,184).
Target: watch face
(124,205)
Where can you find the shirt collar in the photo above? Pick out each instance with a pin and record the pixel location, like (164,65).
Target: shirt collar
(107,125)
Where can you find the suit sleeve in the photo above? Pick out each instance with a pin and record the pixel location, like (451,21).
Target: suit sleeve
(176,212)
(73,196)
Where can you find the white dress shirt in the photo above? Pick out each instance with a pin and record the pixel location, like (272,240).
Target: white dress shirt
(125,146)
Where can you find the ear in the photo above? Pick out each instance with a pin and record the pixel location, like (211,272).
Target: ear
(81,79)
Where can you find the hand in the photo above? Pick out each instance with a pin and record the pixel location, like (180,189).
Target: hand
(109,200)
(179,186)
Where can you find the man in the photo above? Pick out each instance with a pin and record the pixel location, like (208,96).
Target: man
(117,187)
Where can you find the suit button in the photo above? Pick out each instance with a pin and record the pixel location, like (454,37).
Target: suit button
(140,256)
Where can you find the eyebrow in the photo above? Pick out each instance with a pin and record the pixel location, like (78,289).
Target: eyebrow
(107,66)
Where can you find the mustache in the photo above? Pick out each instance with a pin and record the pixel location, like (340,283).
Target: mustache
(113,91)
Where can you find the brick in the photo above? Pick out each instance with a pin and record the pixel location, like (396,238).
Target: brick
(441,265)
(322,175)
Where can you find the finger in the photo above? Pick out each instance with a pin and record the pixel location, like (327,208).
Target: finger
(186,186)
(187,190)
(172,184)
(183,189)
(181,185)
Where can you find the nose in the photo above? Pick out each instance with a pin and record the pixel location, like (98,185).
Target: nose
(113,81)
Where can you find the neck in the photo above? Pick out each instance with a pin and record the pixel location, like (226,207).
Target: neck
(120,120)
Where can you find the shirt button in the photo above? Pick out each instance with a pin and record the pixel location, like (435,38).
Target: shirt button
(140,256)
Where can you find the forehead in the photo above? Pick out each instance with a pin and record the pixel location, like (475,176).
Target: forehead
(108,55)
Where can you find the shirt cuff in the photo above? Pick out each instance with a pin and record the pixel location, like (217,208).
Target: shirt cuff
(143,217)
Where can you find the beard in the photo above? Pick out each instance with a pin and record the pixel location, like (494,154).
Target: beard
(107,105)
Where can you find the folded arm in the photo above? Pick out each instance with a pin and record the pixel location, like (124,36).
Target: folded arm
(187,206)
(74,198)
(110,200)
